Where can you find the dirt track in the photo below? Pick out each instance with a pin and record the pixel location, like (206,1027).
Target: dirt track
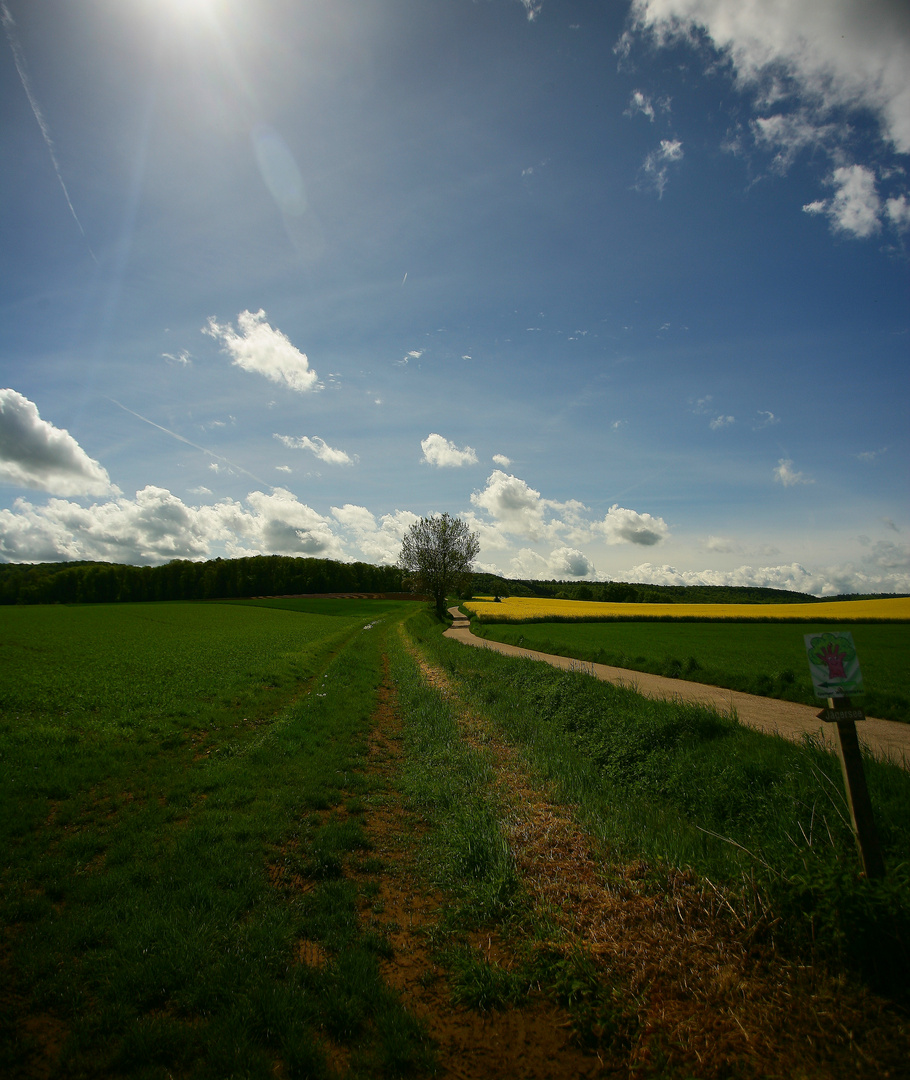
(884,738)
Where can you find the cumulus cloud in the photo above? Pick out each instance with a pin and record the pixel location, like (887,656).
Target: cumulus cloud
(855,207)
(788,476)
(520,510)
(502,460)
(157,526)
(810,67)
(379,541)
(256,346)
(35,454)
(794,577)
(319,447)
(835,52)
(721,422)
(560,563)
(439,451)
(897,211)
(621,526)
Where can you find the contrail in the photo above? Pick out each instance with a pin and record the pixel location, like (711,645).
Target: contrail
(9,27)
(195,446)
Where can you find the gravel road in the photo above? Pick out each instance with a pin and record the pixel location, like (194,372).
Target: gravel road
(883,738)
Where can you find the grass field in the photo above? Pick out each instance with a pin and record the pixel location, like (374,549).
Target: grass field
(763,658)
(190,889)
(166,771)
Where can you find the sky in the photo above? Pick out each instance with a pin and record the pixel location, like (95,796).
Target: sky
(625,285)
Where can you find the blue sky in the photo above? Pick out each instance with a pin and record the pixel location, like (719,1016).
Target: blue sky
(623,284)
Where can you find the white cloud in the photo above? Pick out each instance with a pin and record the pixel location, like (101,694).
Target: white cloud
(837,53)
(721,422)
(621,526)
(520,510)
(35,454)
(379,542)
(532,7)
(182,358)
(785,474)
(723,545)
(259,348)
(444,454)
(640,103)
(898,212)
(817,64)
(856,205)
(789,133)
(501,460)
(319,447)
(655,173)
(794,577)
(561,563)
(768,419)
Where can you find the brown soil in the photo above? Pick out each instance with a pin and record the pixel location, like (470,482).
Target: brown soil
(534,1042)
(884,738)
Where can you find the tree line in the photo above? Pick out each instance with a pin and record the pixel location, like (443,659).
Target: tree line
(181,579)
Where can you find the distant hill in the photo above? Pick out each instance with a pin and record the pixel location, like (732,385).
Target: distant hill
(621,592)
(283,575)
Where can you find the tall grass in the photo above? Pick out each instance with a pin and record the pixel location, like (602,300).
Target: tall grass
(684,786)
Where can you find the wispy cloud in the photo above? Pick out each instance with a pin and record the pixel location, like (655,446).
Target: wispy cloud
(319,447)
(655,170)
(256,346)
(217,458)
(9,27)
(788,476)
(721,422)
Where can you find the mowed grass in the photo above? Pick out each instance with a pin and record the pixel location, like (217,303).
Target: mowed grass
(179,790)
(755,657)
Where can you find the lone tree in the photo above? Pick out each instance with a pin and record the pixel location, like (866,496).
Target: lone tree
(436,554)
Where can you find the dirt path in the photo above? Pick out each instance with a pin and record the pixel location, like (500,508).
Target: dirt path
(693,992)
(533,1042)
(884,738)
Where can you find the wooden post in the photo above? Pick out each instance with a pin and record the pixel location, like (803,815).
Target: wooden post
(851,763)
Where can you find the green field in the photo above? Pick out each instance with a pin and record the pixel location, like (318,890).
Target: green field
(758,658)
(188,886)
(165,771)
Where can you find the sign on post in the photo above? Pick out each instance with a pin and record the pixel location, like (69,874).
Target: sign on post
(834,664)
(836,675)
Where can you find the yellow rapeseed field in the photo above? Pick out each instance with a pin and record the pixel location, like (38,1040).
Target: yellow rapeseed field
(519,608)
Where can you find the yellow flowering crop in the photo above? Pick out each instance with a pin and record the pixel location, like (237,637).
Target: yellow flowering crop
(520,608)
